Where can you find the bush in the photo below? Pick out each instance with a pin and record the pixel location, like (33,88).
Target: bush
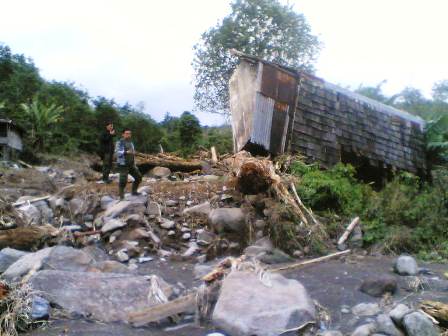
(407,215)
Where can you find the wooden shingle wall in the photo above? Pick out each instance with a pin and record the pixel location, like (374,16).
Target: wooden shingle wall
(328,122)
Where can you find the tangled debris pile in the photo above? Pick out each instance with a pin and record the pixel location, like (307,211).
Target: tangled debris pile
(240,225)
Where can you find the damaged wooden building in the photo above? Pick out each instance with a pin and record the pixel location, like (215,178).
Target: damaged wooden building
(276,109)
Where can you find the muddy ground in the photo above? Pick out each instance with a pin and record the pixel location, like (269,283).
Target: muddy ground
(333,284)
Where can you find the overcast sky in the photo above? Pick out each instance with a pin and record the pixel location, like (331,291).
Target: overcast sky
(141,50)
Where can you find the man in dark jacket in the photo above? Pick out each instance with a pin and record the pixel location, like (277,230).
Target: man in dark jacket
(107,150)
(125,151)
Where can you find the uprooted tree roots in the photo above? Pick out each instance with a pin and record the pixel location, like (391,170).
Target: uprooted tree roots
(291,224)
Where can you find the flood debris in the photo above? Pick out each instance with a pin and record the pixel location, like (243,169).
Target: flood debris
(237,221)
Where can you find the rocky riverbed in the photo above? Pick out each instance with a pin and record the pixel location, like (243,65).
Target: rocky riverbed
(106,266)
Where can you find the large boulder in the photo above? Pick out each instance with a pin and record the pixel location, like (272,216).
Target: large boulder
(111,224)
(379,285)
(105,297)
(227,220)
(417,324)
(248,306)
(386,326)
(406,265)
(398,313)
(30,261)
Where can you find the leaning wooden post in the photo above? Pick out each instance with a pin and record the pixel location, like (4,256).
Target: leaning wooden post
(349,230)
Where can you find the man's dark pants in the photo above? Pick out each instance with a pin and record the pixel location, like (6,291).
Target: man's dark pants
(132,170)
(107,166)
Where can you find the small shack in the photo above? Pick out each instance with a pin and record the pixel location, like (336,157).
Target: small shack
(10,140)
(277,109)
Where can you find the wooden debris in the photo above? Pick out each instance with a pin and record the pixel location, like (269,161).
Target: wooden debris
(309,262)
(349,230)
(172,162)
(437,310)
(27,238)
(161,311)
(37,199)
(214,155)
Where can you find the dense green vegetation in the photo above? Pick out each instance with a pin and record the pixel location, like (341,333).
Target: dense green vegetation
(60,118)
(407,215)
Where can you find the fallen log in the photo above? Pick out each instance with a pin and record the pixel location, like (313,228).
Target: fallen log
(169,161)
(349,230)
(27,238)
(164,310)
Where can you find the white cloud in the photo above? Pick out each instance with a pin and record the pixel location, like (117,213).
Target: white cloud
(141,50)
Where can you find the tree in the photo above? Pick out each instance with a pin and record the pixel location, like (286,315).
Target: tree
(41,117)
(189,131)
(263,28)
(440,91)
(437,140)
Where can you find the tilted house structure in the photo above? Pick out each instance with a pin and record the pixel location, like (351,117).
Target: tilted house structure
(279,109)
(10,140)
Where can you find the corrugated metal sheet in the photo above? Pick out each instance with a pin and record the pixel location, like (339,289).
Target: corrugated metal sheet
(262,121)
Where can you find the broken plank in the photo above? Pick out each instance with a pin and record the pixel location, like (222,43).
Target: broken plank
(43,198)
(309,262)
(161,311)
(349,230)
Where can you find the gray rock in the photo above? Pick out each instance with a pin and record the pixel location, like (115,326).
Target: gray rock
(107,201)
(186,236)
(366,309)
(31,214)
(204,237)
(111,224)
(385,325)
(64,258)
(227,220)
(76,206)
(275,256)
(200,209)
(153,209)
(192,249)
(56,203)
(124,207)
(105,297)
(40,309)
(8,256)
(417,324)
(379,285)
(160,172)
(167,224)
(144,190)
(201,270)
(331,333)
(356,239)
(365,330)
(31,261)
(241,310)
(406,265)
(397,314)
(122,256)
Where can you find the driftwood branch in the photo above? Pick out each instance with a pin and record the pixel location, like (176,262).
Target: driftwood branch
(214,155)
(164,310)
(43,198)
(169,161)
(435,309)
(309,262)
(349,230)
(27,238)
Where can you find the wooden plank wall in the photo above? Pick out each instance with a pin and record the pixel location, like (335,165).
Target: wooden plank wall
(327,123)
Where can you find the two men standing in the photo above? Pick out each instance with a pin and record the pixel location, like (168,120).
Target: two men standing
(125,158)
